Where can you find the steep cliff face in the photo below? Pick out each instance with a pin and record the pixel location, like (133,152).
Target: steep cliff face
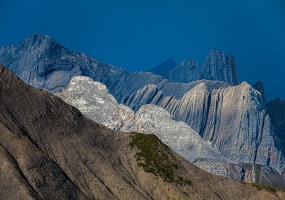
(252,172)
(217,66)
(259,87)
(276,111)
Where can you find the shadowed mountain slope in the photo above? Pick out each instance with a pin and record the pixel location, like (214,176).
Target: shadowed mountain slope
(163,67)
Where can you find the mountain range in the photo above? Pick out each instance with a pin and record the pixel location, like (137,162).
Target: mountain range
(229,117)
(49,150)
(94,101)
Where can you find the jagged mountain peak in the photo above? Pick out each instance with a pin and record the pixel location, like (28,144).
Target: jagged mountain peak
(217,66)
(259,87)
(163,67)
(39,36)
(188,61)
(215,51)
(37,40)
(84,80)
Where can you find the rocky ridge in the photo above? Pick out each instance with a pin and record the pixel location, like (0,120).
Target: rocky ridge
(217,66)
(163,67)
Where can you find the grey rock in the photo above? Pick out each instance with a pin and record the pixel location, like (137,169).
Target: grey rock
(217,66)
(259,87)
(251,173)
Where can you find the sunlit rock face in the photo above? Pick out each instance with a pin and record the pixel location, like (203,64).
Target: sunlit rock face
(93,99)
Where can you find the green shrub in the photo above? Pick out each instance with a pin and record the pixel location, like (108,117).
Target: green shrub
(260,186)
(155,157)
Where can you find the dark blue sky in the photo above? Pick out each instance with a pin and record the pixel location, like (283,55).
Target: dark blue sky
(137,35)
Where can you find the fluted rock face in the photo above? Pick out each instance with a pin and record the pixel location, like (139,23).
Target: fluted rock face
(153,94)
(233,118)
(217,66)
(43,63)
(180,137)
(94,101)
